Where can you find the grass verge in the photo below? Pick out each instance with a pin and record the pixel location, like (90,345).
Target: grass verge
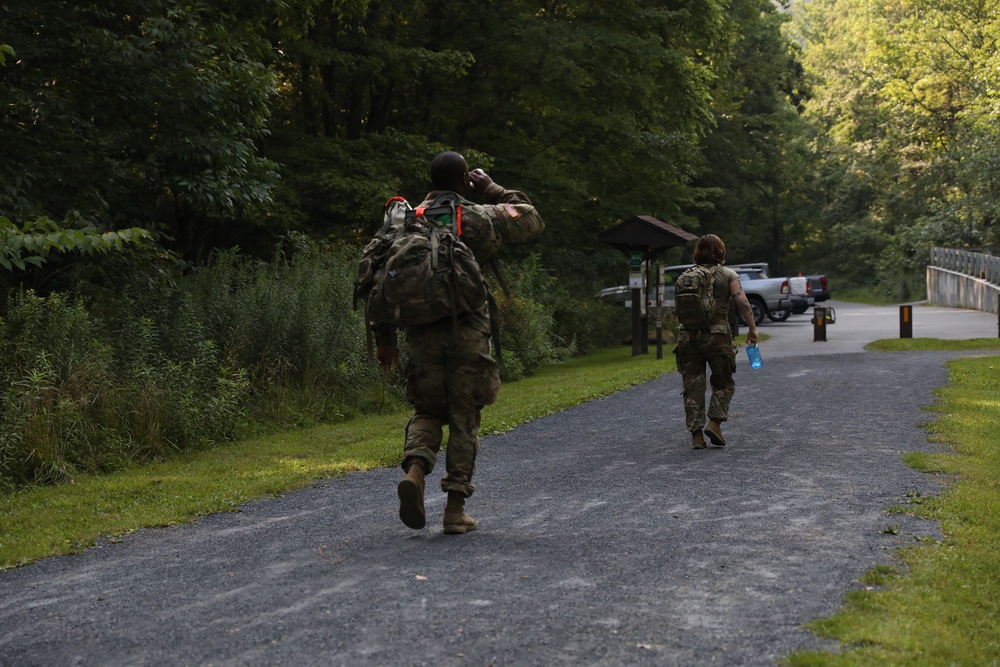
(45,521)
(942,605)
(919,344)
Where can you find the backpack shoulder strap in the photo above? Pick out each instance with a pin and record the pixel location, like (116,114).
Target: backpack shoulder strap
(449,203)
(494,323)
(390,216)
(494,267)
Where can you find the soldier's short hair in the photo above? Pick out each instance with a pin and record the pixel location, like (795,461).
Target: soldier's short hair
(447,169)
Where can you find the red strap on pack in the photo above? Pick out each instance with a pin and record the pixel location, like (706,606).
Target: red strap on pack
(421,210)
(392,199)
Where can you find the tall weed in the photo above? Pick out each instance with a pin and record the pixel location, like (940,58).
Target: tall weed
(72,401)
(290,324)
(163,363)
(79,394)
(527,322)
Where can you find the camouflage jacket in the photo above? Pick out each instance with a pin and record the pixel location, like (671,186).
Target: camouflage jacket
(508,217)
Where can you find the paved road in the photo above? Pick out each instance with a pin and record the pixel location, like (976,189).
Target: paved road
(605,540)
(857,325)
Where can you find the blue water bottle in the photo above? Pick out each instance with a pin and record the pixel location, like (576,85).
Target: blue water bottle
(753,354)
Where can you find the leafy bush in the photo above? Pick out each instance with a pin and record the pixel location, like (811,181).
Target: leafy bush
(79,395)
(290,324)
(287,324)
(588,324)
(164,364)
(527,322)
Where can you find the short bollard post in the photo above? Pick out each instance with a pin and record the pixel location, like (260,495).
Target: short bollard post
(819,324)
(906,321)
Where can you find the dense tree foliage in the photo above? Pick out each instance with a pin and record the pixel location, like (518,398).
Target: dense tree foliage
(181,118)
(905,112)
(595,110)
(757,163)
(235,122)
(174,132)
(126,114)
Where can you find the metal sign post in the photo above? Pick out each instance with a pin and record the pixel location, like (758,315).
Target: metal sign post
(658,299)
(635,285)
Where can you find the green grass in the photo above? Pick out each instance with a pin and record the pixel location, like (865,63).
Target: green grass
(44,521)
(942,606)
(915,344)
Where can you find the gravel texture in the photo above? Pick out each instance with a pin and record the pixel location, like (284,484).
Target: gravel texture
(604,540)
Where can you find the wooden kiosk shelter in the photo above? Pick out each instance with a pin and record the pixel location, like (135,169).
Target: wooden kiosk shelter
(641,238)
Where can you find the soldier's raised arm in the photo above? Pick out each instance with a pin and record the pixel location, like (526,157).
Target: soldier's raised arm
(514,217)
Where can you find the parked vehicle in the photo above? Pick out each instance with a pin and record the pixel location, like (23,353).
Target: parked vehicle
(777,298)
(774,298)
(621,294)
(770,297)
(820,288)
(618,294)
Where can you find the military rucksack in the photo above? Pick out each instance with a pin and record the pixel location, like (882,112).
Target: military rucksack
(694,297)
(417,270)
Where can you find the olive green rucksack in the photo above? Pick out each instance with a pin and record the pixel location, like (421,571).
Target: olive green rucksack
(417,270)
(694,297)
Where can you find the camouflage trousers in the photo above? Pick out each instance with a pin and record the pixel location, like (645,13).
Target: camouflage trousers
(450,377)
(695,350)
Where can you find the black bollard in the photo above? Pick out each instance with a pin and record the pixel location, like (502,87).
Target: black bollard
(906,321)
(819,324)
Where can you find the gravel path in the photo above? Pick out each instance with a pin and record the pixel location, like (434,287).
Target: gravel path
(604,540)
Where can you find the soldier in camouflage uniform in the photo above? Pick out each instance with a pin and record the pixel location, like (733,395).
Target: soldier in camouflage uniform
(713,346)
(451,375)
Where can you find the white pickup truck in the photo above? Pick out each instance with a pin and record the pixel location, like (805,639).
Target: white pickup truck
(775,298)
(779,297)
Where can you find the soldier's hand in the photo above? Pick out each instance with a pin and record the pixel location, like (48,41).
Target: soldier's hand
(387,355)
(480,180)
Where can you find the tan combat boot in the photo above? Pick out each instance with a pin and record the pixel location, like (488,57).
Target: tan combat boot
(411,497)
(714,432)
(455,519)
(697,439)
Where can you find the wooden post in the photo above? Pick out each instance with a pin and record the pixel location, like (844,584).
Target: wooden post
(635,283)
(637,332)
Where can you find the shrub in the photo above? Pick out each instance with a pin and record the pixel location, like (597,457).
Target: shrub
(588,324)
(290,324)
(527,321)
(164,363)
(80,395)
